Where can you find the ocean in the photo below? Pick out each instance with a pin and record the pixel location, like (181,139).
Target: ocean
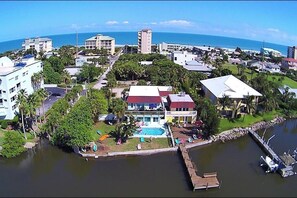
(130,38)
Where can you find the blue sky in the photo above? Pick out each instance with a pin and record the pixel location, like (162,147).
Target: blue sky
(269,21)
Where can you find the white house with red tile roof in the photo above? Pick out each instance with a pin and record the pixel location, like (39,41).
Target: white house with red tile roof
(289,63)
(154,104)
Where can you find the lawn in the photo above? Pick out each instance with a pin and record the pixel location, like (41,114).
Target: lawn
(287,81)
(103,128)
(131,144)
(30,136)
(245,121)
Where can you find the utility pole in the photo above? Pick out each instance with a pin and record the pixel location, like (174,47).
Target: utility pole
(76,45)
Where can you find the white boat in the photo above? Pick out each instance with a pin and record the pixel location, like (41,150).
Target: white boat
(271,165)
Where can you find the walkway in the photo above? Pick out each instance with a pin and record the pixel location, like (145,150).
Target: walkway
(209,180)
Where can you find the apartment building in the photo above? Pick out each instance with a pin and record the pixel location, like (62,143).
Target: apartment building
(292,52)
(13,78)
(145,41)
(99,41)
(182,57)
(39,44)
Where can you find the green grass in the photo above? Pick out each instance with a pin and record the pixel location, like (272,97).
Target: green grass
(30,136)
(104,128)
(246,120)
(131,143)
(234,70)
(287,81)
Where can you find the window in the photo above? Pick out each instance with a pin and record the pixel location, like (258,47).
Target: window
(1,101)
(24,74)
(147,119)
(14,107)
(11,90)
(13,98)
(16,78)
(175,58)
(155,119)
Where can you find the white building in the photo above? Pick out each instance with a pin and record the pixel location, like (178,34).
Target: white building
(181,58)
(99,41)
(80,60)
(145,41)
(39,44)
(14,77)
(269,51)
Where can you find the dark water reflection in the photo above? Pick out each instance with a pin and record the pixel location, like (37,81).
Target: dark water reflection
(48,171)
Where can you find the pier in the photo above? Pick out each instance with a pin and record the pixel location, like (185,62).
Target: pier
(209,180)
(285,168)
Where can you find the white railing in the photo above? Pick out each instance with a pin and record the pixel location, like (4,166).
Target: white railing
(181,113)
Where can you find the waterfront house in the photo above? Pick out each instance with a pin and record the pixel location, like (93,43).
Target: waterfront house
(181,108)
(15,76)
(157,104)
(235,89)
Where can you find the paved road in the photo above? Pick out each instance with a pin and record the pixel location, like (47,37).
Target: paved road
(102,80)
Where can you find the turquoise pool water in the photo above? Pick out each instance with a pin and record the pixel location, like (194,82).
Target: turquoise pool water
(150,131)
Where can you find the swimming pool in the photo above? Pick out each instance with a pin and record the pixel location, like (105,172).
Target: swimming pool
(150,131)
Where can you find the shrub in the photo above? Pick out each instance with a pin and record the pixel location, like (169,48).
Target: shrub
(13,144)
(4,124)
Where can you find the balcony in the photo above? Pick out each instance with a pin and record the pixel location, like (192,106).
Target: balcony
(181,113)
(150,112)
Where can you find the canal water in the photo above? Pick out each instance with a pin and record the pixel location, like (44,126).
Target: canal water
(48,171)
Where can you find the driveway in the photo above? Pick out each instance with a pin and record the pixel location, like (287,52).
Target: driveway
(55,93)
(102,80)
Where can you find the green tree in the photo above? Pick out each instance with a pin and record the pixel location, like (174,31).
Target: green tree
(22,103)
(13,144)
(118,107)
(66,78)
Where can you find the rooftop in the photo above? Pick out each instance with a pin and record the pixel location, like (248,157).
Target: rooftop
(229,86)
(147,90)
(290,59)
(180,98)
(100,37)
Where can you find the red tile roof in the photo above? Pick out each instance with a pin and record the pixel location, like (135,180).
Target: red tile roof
(144,99)
(165,93)
(182,105)
(290,59)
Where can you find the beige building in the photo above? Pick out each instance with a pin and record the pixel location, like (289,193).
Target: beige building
(39,44)
(145,41)
(99,41)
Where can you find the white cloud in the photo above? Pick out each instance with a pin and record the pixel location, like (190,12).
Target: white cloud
(273,30)
(176,22)
(111,22)
(154,23)
(125,22)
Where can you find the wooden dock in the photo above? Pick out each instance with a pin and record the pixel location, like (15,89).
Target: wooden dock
(209,180)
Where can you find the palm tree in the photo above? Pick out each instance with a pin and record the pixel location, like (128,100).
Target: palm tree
(250,104)
(22,102)
(118,107)
(43,94)
(33,102)
(66,78)
(225,101)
